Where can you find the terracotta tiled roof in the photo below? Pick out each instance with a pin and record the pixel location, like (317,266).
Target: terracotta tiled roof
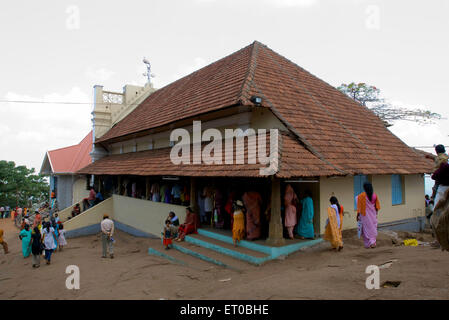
(427,155)
(71,159)
(334,128)
(295,160)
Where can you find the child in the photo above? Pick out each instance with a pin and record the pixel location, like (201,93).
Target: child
(167,234)
(61,238)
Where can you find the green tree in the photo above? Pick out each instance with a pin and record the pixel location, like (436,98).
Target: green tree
(369,96)
(19,185)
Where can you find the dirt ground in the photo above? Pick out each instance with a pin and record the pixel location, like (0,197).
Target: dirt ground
(315,273)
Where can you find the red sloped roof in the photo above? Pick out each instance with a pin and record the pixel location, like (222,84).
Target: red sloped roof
(71,159)
(334,128)
(295,161)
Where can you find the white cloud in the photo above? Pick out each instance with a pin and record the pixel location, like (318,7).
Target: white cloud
(186,69)
(28,130)
(291,3)
(98,75)
(416,135)
(274,3)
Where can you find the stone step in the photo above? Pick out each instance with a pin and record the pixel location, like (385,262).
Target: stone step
(223,248)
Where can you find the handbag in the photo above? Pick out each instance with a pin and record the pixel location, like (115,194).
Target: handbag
(359,229)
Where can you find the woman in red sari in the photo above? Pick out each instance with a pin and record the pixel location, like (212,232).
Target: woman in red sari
(189,226)
(253,202)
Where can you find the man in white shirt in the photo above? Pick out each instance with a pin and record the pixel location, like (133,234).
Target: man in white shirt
(107,230)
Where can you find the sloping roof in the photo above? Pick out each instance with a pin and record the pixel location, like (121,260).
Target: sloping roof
(295,161)
(71,159)
(426,154)
(334,128)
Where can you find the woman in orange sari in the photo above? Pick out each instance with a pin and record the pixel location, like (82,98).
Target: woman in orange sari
(238,227)
(37,219)
(334,225)
(368,206)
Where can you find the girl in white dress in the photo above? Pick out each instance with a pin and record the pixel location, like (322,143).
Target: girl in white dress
(61,238)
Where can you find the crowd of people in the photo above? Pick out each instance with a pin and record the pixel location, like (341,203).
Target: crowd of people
(243,216)
(38,237)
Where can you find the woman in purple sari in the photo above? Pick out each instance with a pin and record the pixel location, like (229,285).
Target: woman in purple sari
(368,206)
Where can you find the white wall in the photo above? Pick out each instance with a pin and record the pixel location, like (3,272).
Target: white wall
(145,215)
(92,216)
(343,189)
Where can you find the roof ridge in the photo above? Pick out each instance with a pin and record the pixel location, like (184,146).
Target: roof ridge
(301,139)
(326,110)
(243,95)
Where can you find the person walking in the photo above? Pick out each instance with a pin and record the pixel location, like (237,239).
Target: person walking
(49,241)
(61,237)
(3,242)
(107,231)
(36,247)
(25,236)
(333,225)
(368,206)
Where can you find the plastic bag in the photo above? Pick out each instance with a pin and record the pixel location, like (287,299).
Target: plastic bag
(411,242)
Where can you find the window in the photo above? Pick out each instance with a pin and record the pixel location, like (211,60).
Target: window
(397,189)
(359,181)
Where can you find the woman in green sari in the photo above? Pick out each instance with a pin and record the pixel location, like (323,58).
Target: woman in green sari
(25,236)
(305,228)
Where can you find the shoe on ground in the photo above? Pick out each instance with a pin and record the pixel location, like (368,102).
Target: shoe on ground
(112,256)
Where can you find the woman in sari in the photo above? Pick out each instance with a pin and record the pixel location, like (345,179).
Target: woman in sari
(189,226)
(37,219)
(305,227)
(290,200)
(36,247)
(333,225)
(252,202)
(25,236)
(368,206)
(238,227)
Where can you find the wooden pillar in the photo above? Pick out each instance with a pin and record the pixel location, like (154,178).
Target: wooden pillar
(193,195)
(147,188)
(275,232)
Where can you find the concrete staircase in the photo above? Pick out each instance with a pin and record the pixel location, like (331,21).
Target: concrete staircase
(218,248)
